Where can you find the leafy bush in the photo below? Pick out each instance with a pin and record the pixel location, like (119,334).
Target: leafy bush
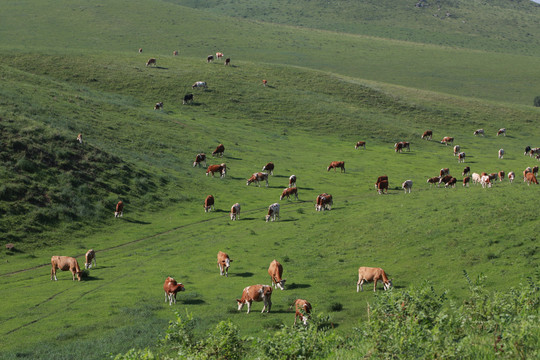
(537,101)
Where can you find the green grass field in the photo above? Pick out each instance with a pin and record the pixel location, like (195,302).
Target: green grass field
(90,79)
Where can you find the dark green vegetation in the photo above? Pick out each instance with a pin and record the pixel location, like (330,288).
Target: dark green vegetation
(59,80)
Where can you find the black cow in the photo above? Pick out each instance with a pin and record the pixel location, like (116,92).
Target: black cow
(187,98)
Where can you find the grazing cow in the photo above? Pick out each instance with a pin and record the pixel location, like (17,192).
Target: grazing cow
(534,151)
(406,144)
(275,270)
(65,263)
(209,58)
(171,287)
(484,180)
(336,164)
(444,171)
(288,192)
(269,167)
(188,98)
(223,263)
(534,170)
(175,53)
(501,175)
(445,179)
(303,310)
(292,181)
(434,180)
(466,181)
(235,212)
(199,84)
(209,203)
(158,106)
(501,131)
(367,274)
(530,178)
(219,55)
(79,138)
(428,134)
(407,186)
(227,61)
(199,159)
(257,177)
(140,50)
(451,183)
(151,61)
(398,147)
(461,157)
(493,176)
(527,150)
(456,149)
(265,82)
(273,212)
(379,179)
(221,168)
(511,176)
(476,178)
(447,139)
(466,171)
(220,149)
(528,169)
(256,293)
(90,257)
(324,202)
(360,144)
(382,187)
(501,153)
(479,132)
(119,209)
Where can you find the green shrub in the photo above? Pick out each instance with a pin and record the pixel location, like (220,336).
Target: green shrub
(537,101)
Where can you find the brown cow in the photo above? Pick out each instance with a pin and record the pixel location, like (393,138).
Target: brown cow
(360,144)
(288,192)
(209,203)
(265,82)
(379,179)
(79,138)
(398,147)
(404,144)
(534,170)
(257,177)
(428,134)
(273,212)
(324,202)
(336,164)
(444,171)
(447,139)
(466,181)
(466,171)
(175,53)
(199,159)
(220,149)
(269,167)
(276,271)
(221,168)
(303,310)
(235,212)
(151,61)
(501,175)
(65,263)
(256,293)
(530,178)
(171,287)
(366,274)
(382,187)
(89,257)
(292,181)
(445,179)
(452,182)
(223,262)
(434,180)
(119,209)
(461,157)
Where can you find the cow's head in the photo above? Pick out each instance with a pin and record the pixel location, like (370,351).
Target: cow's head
(281,284)
(240,304)
(79,275)
(249,181)
(388,284)
(268,217)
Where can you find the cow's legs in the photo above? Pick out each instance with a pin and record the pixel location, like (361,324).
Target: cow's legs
(249,307)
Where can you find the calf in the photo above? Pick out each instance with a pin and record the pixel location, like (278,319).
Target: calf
(530,178)
(292,181)
(336,164)
(199,159)
(258,177)
(324,202)
(119,209)
(209,58)
(273,212)
(501,153)
(447,139)
(428,134)
(479,132)
(219,55)
(466,171)
(188,98)
(158,106)
(288,192)
(303,310)
(501,175)
(223,262)
(65,263)
(275,270)
(511,176)
(407,186)
(360,144)
(256,293)
(456,149)
(220,149)
(227,61)
(171,287)
(269,167)
(382,187)
(199,84)
(534,151)
(434,180)
(367,274)
(90,257)
(209,203)
(379,179)
(461,157)
(79,138)
(444,171)
(235,212)
(221,168)
(445,179)
(501,131)
(151,61)
(466,181)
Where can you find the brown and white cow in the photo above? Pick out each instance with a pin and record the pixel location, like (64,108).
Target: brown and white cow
(466,171)
(398,147)
(336,164)
(269,167)
(79,138)
(90,257)
(219,55)
(451,183)
(223,262)
(324,202)
(501,175)
(382,187)
(303,310)
(199,84)
(200,158)
(273,212)
(209,203)
(275,270)
(534,170)
(287,192)
(444,171)
(379,179)
(65,263)
(367,274)
(188,99)
(445,179)
(265,82)
(501,131)
(158,106)
(171,287)
(256,293)
(447,139)
(434,180)
(461,157)
(534,151)
(484,180)
(530,178)
(405,144)
(175,53)
(428,134)
(235,212)
(360,144)
(221,168)
(119,209)
(511,176)
(209,58)
(479,132)
(151,61)
(407,186)
(457,148)
(501,153)
(258,177)
(466,181)
(292,181)
(220,149)
(140,50)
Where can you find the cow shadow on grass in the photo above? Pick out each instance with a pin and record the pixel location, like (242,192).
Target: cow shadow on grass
(244,274)
(233,158)
(90,278)
(297,286)
(288,220)
(161,68)
(280,176)
(221,211)
(136,221)
(193,302)
(236,178)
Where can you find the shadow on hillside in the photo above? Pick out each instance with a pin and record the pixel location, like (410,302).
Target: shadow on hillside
(221,211)
(280,176)
(236,178)
(297,286)
(161,68)
(250,218)
(244,274)
(90,278)
(232,158)
(194,301)
(136,221)
(287,220)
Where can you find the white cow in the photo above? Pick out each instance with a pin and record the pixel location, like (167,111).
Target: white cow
(511,176)
(199,84)
(479,132)
(456,149)
(484,180)
(476,178)
(407,186)
(501,153)
(235,212)
(273,212)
